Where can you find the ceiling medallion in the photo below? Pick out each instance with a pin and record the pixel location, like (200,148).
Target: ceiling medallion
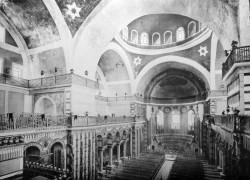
(137,61)
(184,109)
(73,10)
(203,51)
(167,110)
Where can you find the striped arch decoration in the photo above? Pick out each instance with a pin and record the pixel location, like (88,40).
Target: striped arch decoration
(39,146)
(55,141)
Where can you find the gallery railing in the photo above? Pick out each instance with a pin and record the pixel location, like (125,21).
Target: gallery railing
(26,121)
(64,79)
(153,100)
(78,121)
(14,81)
(237,123)
(12,122)
(237,55)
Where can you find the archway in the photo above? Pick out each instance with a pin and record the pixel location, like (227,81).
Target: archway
(159,122)
(45,105)
(218,17)
(57,158)
(32,154)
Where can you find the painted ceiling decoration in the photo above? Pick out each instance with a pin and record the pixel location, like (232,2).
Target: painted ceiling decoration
(73,10)
(137,61)
(192,53)
(32,20)
(203,51)
(76,11)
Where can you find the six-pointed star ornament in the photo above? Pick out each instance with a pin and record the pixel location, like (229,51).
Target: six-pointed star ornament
(137,61)
(73,10)
(203,51)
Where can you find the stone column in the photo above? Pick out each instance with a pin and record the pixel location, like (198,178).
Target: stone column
(131,144)
(101,160)
(138,142)
(124,148)
(110,155)
(6,105)
(118,152)
(65,158)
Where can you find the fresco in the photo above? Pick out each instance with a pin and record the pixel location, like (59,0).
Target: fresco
(32,20)
(76,11)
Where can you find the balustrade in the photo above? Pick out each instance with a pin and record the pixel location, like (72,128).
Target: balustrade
(237,55)
(27,121)
(64,79)
(238,124)
(11,121)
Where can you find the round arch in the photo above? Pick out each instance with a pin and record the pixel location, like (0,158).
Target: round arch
(39,146)
(177,59)
(57,141)
(118,49)
(39,107)
(19,41)
(89,41)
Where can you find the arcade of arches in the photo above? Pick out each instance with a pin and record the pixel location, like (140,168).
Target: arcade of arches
(118,89)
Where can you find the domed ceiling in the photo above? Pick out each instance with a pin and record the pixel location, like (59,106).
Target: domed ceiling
(175,83)
(174,87)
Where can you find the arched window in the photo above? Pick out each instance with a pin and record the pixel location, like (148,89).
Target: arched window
(160,122)
(125,33)
(134,37)
(144,39)
(180,34)
(191,28)
(191,120)
(168,37)
(156,39)
(176,120)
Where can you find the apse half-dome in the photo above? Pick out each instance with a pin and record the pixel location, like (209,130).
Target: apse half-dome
(174,87)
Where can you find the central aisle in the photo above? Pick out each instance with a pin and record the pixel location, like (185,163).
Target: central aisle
(166,167)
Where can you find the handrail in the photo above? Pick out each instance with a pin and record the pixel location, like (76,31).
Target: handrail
(29,121)
(237,55)
(194,98)
(63,79)
(11,121)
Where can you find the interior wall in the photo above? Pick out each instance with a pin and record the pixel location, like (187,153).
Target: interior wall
(10,57)
(119,108)
(2,102)
(15,102)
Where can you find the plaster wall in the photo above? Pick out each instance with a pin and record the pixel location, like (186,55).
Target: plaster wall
(119,89)
(83,100)
(50,100)
(119,108)
(10,57)
(2,102)
(102,108)
(15,102)
(47,61)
